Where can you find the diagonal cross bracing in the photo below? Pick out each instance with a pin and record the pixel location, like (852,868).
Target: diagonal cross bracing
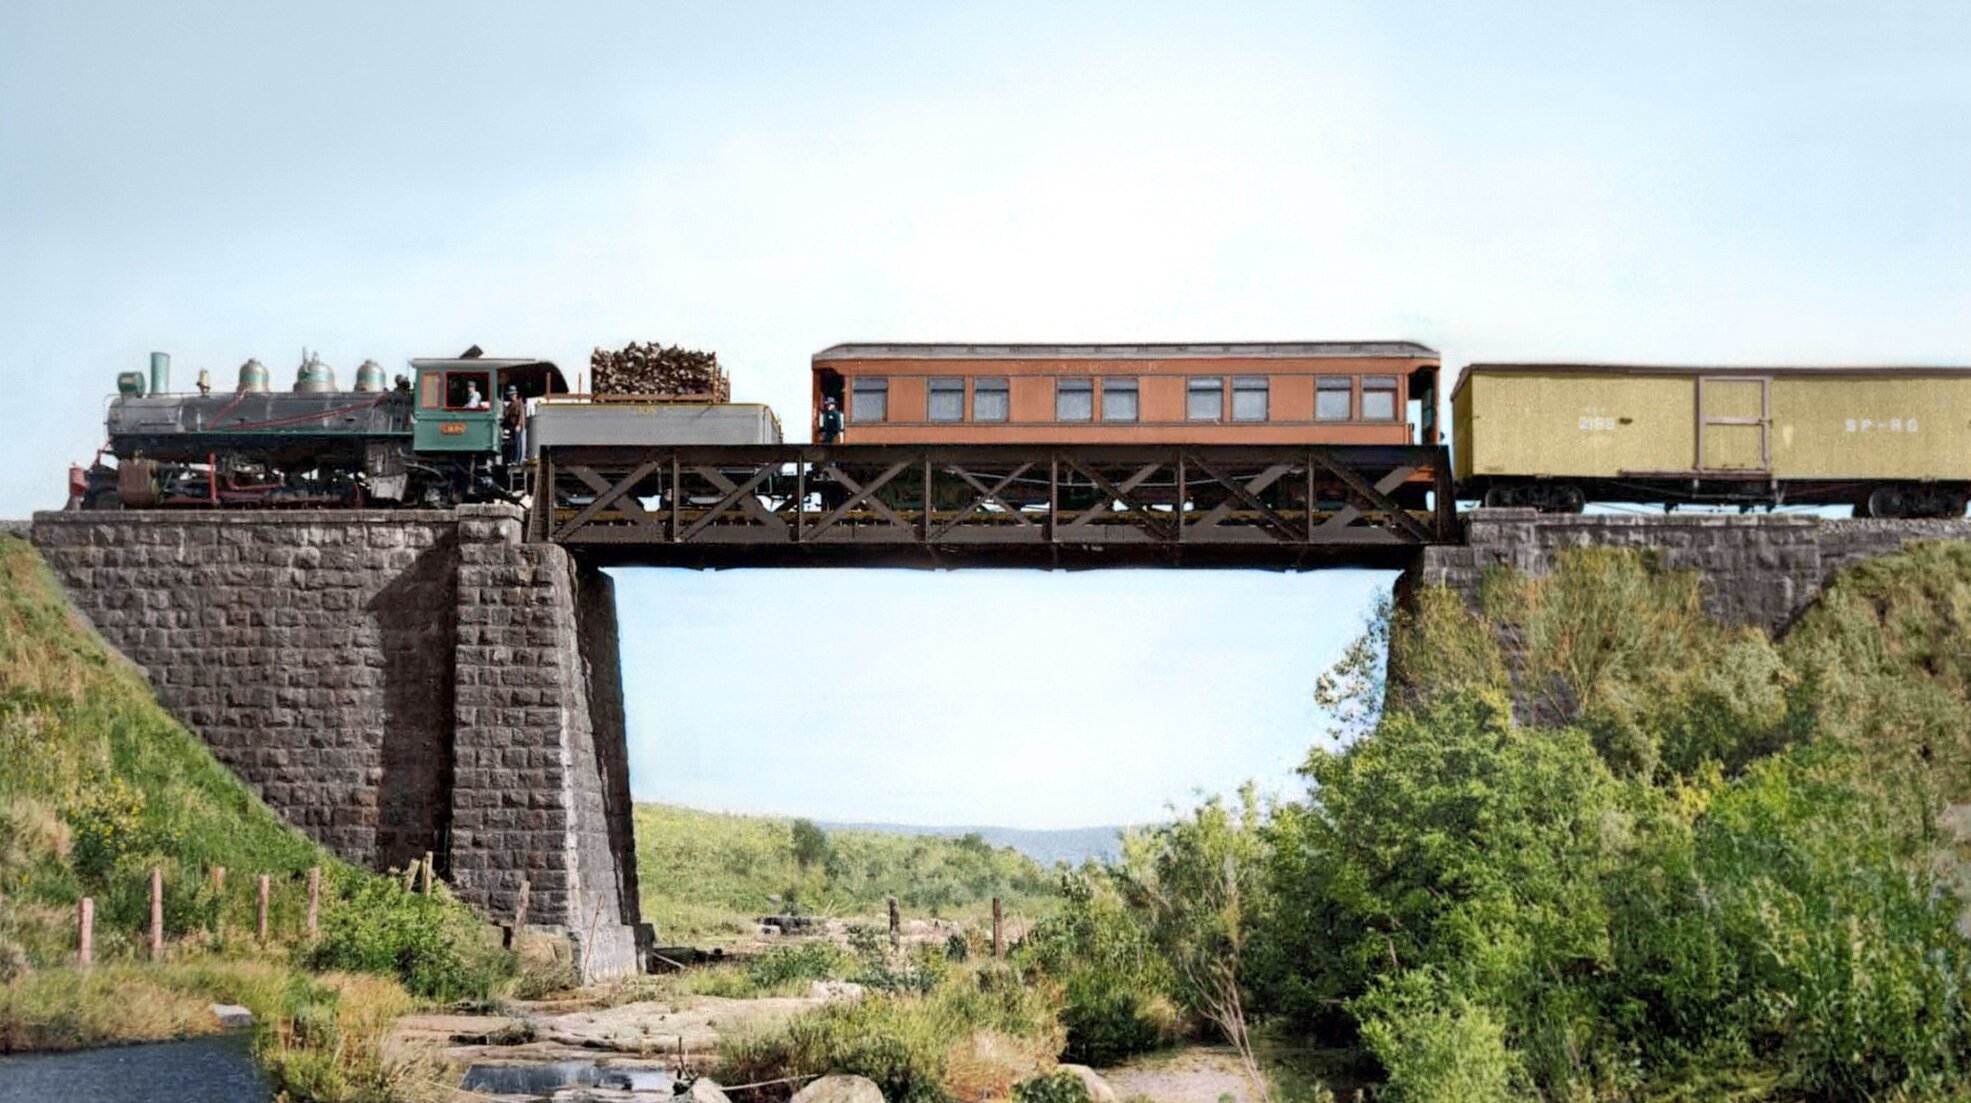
(1284,507)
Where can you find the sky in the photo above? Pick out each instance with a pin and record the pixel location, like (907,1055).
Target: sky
(1681,182)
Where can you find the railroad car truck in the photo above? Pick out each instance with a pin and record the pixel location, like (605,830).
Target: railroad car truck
(1888,441)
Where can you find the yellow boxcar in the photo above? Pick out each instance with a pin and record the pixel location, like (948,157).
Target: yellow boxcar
(1889,441)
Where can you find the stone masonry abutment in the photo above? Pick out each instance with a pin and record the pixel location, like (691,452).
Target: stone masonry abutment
(1755,569)
(391,683)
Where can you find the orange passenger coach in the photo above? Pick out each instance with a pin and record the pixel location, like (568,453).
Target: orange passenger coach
(1302,392)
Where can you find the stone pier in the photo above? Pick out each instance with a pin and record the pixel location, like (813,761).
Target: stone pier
(1758,569)
(391,682)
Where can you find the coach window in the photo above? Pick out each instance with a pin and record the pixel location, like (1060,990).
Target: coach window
(1332,395)
(1074,400)
(1249,398)
(869,399)
(468,390)
(1118,400)
(947,400)
(1379,398)
(989,400)
(1204,398)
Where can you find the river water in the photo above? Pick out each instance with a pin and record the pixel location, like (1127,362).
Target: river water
(216,1069)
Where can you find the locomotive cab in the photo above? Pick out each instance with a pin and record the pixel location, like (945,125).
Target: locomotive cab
(458,400)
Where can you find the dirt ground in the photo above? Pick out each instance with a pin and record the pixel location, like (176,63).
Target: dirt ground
(673,1034)
(1195,1074)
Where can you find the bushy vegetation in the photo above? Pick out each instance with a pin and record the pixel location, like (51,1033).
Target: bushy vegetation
(1698,863)
(1587,844)
(1115,985)
(973,1031)
(706,876)
(435,945)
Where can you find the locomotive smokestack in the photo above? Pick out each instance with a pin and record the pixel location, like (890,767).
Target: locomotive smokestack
(160,373)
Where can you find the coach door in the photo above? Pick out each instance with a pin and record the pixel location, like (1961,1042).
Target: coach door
(1734,417)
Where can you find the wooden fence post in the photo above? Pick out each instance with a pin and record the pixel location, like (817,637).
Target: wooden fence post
(998,935)
(896,925)
(427,873)
(219,900)
(263,907)
(85,944)
(157,912)
(520,910)
(314,900)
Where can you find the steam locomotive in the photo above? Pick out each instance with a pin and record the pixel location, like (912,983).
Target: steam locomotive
(431,438)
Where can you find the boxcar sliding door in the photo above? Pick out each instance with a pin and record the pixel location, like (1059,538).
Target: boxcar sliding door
(1734,415)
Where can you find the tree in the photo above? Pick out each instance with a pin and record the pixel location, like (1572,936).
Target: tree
(1199,883)
(810,844)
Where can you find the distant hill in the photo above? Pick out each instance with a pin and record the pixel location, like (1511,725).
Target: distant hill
(1071,845)
(705,875)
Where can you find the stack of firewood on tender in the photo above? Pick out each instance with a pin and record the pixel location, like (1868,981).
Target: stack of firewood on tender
(650,370)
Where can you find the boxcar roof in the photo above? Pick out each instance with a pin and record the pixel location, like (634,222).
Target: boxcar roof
(1710,370)
(890,350)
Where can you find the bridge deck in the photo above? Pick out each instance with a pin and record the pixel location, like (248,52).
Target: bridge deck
(1279,507)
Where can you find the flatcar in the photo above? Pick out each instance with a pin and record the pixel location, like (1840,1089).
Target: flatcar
(1888,441)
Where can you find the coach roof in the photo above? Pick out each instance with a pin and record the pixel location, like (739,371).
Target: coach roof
(1270,350)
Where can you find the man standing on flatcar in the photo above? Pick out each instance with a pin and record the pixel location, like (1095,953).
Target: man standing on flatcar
(513,423)
(831,422)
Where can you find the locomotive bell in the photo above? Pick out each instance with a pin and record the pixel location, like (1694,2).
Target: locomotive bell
(369,377)
(253,377)
(314,377)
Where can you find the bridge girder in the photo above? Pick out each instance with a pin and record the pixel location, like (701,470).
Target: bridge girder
(1280,507)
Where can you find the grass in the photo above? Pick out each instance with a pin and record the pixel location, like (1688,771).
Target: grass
(707,876)
(318,1037)
(98,785)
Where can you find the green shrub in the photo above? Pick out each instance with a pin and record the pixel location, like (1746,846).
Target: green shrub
(1114,985)
(1435,1045)
(881,1037)
(1053,1087)
(1801,917)
(918,969)
(912,1046)
(435,945)
(785,966)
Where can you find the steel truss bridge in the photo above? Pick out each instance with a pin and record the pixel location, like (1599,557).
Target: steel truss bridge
(1284,507)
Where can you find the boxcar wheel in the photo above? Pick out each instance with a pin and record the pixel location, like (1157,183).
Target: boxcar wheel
(1886,501)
